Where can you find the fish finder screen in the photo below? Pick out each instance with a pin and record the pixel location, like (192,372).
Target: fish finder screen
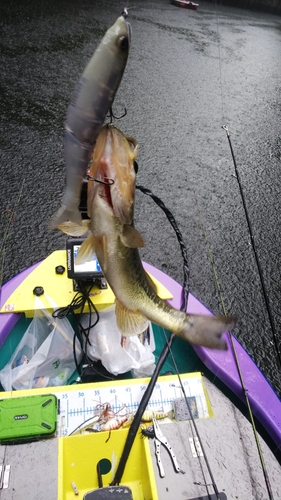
(90,267)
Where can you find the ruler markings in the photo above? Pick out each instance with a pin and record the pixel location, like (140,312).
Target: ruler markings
(78,406)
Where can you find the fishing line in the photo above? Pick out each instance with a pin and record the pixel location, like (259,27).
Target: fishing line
(245,391)
(264,292)
(142,406)
(3,246)
(162,358)
(6,233)
(196,430)
(219,51)
(274,334)
(268,485)
(165,351)
(185,292)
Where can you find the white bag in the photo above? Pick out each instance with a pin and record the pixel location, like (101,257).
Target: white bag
(44,356)
(105,339)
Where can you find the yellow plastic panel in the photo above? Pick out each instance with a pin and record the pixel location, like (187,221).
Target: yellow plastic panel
(60,288)
(79,456)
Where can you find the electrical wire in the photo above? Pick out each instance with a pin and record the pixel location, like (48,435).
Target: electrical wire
(172,221)
(79,301)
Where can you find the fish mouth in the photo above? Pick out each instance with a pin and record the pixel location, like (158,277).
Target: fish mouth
(105,188)
(113,171)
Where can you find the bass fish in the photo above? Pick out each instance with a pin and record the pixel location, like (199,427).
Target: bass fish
(91,101)
(115,241)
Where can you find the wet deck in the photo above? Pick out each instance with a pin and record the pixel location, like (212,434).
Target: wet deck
(228,442)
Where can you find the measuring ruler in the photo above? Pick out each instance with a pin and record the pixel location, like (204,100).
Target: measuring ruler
(78,405)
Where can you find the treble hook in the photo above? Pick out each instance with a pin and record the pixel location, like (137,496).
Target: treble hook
(111,115)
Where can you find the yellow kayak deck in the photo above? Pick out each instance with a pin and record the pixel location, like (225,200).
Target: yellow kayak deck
(58,289)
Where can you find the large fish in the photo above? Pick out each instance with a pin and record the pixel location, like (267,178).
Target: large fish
(115,241)
(91,101)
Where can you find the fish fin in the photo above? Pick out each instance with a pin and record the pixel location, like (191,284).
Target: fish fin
(133,145)
(86,251)
(64,214)
(129,322)
(131,238)
(73,229)
(207,330)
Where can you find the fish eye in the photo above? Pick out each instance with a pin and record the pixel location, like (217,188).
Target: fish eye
(123,42)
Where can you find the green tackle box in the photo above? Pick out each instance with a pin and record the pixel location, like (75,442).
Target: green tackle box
(28,418)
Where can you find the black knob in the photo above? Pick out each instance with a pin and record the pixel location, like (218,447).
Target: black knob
(60,269)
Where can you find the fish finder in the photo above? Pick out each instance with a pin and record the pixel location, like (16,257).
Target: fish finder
(88,271)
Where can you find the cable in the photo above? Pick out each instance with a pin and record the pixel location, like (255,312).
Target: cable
(81,298)
(174,225)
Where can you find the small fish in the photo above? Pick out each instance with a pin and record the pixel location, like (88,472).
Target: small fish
(115,241)
(87,111)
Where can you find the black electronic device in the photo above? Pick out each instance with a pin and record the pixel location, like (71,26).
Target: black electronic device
(88,271)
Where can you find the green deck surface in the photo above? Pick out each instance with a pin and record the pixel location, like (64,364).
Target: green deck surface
(183,353)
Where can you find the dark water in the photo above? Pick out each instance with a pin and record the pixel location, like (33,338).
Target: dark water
(188,73)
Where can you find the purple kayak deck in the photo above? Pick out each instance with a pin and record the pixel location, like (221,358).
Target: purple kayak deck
(8,321)
(265,404)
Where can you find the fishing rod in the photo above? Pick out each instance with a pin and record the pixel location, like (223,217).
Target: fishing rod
(162,358)
(274,334)
(245,391)
(185,293)
(225,128)
(213,484)
(164,353)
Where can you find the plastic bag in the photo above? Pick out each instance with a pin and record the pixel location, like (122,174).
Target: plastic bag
(44,356)
(105,339)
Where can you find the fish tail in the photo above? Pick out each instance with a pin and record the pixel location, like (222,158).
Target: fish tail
(207,330)
(65,214)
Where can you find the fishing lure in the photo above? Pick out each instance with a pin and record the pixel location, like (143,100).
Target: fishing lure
(92,99)
(148,415)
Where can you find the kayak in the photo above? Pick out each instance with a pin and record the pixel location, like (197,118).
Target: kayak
(66,462)
(185,4)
